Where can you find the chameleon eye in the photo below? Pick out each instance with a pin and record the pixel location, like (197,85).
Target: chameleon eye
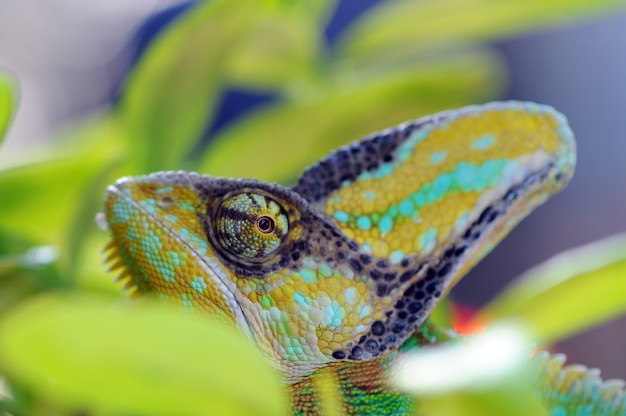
(249,226)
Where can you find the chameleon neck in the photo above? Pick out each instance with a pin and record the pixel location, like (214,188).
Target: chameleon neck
(360,388)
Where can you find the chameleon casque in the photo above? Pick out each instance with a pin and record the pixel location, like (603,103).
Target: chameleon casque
(339,272)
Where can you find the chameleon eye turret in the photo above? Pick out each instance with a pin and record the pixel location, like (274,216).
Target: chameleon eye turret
(248,227)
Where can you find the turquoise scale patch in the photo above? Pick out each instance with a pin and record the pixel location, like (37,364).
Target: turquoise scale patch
(187,206)
(484,143)
(384,170)
(341,216)
(396,257)
(351,295)
(149,205)
(165,190)
(406,207)
(365,311)
(303,301)
(364,223)
(428,240)
(171,218)
(308,275)
(198,284)
(438,157)
(465,177)
(406,149)
(178,259)
(199,243)
(121,211)
(385,224)
(334,314)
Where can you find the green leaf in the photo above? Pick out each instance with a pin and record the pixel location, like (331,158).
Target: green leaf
(569,293)
(172,93)
(39,198)
(7,103)
(417,25)
(103,358)
(278,142)
(282,47)
(25,269)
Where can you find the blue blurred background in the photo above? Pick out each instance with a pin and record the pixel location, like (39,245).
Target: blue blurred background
(71,58)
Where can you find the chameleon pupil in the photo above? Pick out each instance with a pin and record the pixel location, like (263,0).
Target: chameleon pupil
(265,225)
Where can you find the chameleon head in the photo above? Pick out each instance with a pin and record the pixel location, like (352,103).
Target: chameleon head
(345,265)
(252,253)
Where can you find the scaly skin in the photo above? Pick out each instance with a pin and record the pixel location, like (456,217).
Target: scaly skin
(334,275)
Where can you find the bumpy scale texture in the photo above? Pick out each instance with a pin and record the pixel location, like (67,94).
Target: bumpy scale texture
(334,275)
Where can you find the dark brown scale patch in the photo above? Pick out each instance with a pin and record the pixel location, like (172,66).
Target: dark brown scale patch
(356,265)
(390,276)
(406,276)
(371,346)
(444,270)
(378,328)
(340,355)
(356,353)
(415,307)
(381,289)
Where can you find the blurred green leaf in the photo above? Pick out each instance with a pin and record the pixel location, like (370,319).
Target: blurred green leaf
(39,197)
(172,92)
(443,314)
(25,269)
(153,361)
(485,375)
(409,25)
(318,11)
(7,103)
(282,47)
(569,293)
(278,142)
(82,224)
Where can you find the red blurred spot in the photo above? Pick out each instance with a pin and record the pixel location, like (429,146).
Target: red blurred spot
(463,320)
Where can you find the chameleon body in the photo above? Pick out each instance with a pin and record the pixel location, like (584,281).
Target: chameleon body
(337,274)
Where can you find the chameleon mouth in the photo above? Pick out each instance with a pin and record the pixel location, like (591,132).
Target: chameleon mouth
(158,259)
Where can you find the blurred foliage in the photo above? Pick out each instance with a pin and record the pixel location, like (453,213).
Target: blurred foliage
(548,298)
(111,369)
(7,103)
(400,60)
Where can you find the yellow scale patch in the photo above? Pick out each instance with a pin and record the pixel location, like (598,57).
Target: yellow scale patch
(516,133)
